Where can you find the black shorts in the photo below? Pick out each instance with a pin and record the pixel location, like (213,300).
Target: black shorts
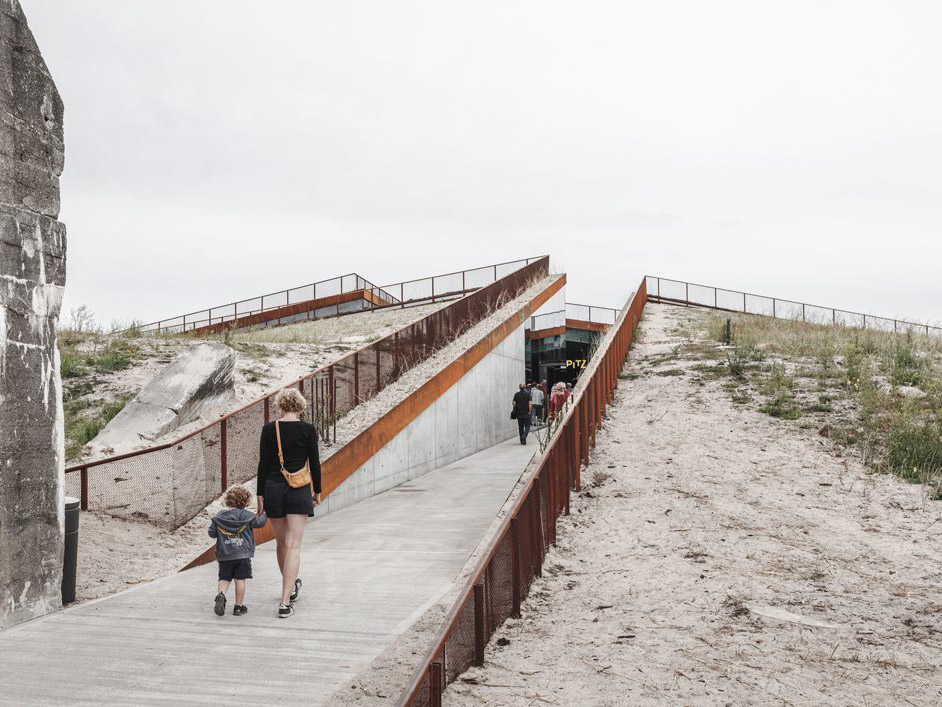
(282,500)
(235,569)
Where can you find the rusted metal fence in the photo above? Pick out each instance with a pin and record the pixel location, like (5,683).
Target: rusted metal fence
(326,298)
(662,289)
(502,578)
(169,483)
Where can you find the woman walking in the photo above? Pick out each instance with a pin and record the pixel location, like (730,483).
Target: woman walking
(289,486)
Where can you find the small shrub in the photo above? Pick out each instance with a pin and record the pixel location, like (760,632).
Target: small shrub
(71,363)
(915,451)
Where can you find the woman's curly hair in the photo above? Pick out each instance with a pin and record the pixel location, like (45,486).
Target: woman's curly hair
(238,497)
(291,400)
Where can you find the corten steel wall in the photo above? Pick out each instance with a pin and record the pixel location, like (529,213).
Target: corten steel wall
(502,578)
(662,289)
(168,484)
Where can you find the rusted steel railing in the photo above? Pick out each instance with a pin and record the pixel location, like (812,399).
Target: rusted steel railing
(502,577)
(337,296)
(662,289)
(169,483)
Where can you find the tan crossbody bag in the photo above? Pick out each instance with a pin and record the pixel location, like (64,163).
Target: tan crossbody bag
(301,477)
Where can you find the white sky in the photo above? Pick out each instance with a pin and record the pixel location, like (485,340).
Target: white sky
(217,149)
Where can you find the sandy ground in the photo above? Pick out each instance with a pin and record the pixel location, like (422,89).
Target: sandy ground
(706,539)
(111,548)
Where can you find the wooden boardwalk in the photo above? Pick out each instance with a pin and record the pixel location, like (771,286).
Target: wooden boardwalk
(370,571)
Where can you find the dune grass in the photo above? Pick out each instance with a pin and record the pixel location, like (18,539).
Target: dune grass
(878,394)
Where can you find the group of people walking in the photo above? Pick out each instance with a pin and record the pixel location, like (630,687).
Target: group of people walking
(534,404)
(289,488)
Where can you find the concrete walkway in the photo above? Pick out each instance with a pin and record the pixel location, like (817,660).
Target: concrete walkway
(370,571)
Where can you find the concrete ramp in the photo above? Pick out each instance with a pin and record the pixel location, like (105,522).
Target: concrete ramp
(370,571)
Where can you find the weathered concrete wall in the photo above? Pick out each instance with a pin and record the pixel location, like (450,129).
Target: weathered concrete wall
(32,276)
(472,415)
(197,381)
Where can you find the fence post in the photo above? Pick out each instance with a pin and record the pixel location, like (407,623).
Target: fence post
(743,302)
(584,429)
(267,410)
(435,685)
(515,566)
(83,480)
(378,386)
(223,448)
(478,624)
(356,377)
(330,383)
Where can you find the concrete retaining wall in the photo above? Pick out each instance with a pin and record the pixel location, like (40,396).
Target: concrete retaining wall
(472,415)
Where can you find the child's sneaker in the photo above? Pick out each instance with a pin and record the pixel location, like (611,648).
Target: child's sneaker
(240,610)
(285,610)
(297,590)
(220,607)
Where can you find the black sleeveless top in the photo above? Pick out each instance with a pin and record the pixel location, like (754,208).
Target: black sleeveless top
(298,444)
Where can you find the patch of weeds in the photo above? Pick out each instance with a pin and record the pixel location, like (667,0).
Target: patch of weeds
(781,407)
(252,375)
(915,451)
(905,369)
(711,372)
(71,363)
(670,372)
(740,397)
(819,407)
(741,359)
(116,356)
(82,429)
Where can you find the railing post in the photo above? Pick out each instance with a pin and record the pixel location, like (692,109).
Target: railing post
(333,389)
(267,410)
(743,302)
(515,567)
(687,291)
(356,377)
(435,685)
(83,481)
(223,453)
(478,624)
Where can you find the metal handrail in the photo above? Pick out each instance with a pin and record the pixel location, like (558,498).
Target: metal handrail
(776,302)
(567,450)
(179,323)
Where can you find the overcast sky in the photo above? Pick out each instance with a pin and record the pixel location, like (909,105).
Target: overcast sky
(217,149)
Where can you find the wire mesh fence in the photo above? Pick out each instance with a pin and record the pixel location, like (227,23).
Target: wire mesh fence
(168,484)
(502,577)
(663,289)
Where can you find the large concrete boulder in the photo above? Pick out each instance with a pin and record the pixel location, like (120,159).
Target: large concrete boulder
(32,276)
(196,382)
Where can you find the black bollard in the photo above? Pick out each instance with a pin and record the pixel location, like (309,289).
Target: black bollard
(70,556)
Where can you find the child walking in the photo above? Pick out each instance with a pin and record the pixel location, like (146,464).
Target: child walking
(235,547)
